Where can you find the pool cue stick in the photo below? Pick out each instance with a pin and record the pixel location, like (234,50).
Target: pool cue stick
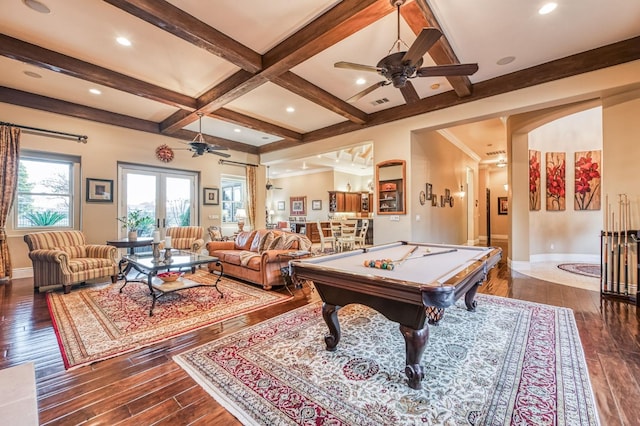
(619,228)
(605,250)
(626,246)
(406,256)
(613,241)
(433,254)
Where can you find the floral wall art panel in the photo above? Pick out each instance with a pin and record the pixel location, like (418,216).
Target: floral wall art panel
(587,175)
(556,181)
(534,180)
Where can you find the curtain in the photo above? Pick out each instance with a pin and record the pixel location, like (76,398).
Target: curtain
(251,195)
(9,155)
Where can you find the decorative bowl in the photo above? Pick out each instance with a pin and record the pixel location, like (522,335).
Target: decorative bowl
(169,276)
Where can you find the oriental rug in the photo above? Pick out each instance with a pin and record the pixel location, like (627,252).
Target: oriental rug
(510,362)
(586,269)
(97,322)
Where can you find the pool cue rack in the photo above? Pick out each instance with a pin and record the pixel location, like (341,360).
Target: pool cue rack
(619,269)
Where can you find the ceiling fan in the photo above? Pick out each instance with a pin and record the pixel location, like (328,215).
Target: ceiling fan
(269,184)
(401,66)
(200,147)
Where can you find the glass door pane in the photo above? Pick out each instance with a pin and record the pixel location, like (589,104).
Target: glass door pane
(141,194)
(178,201)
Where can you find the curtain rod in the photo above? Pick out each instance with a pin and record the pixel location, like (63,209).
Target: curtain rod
(79,138)
(236,163)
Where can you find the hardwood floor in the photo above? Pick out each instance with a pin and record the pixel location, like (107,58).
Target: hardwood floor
(146,387)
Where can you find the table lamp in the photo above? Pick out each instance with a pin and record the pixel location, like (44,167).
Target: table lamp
(241,214)
(271,213)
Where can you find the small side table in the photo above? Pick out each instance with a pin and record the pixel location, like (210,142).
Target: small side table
(131,245)
(284,270)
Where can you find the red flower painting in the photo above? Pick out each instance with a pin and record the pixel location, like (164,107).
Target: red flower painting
(587,180)
(534,180)
(556,181)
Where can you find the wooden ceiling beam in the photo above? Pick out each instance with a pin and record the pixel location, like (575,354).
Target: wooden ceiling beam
(234,117)
(313,93)
(339,22)
(418,15)
(53,61)
(43,103)
(591,60)
(167,17)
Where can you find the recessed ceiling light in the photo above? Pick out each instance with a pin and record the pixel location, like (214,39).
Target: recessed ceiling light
(32,74)
(291,109)
(547,8)
(37,6)
(123,41)
(95,91)
(237,130)
(506,60)
(361,81)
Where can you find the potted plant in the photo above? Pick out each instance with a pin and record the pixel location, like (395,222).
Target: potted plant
(135,221)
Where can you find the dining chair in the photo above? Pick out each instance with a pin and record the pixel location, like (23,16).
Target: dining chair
(325,239)
(361,237)
(347,239)
(336,229)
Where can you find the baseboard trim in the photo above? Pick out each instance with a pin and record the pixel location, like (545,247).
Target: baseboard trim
(22,273)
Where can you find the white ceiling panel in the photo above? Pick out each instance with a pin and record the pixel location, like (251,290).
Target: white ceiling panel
(223,129)
(260,25)
(269,102)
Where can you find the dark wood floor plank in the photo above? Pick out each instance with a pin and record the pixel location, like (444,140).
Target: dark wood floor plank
(146,387)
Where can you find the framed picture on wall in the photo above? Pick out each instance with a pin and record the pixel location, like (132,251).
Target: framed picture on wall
(280,205)
(503,205)
(211,196)
(316,205)
(99,190)
(429,191)
(298,206)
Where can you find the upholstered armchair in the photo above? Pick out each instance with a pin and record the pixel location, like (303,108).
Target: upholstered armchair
(65,258)
(186,238)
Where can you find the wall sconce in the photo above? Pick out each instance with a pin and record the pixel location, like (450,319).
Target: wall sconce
(462,193)
(506,186)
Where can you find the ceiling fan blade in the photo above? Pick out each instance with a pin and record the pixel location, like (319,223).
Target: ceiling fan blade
(426,39)
(357,67)
(221,154)
(409,93)
(447,70)
(366,91)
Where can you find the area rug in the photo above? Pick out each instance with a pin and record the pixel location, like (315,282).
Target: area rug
(97,322)
(586,269)
(510,362)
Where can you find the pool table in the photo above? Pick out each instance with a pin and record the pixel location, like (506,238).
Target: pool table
(425,279)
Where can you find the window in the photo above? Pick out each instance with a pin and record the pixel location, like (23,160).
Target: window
(233,196)
(45,196)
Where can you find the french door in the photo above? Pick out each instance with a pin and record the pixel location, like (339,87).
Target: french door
(168,197)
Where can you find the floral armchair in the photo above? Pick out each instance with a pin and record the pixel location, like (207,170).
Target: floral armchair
(65,258)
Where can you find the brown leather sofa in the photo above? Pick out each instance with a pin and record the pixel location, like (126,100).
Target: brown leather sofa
(253,255)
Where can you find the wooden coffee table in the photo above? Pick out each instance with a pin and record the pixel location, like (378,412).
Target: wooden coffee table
(150,267)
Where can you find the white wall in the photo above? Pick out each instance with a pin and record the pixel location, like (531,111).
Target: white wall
(570,231)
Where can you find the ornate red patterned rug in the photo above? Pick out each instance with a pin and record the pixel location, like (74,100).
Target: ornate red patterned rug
(97,322)
(510,362)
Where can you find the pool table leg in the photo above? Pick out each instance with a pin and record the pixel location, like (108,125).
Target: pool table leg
(415,344)
(469,297)
(330,315)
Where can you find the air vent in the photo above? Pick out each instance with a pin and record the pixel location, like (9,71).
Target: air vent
(497,152)
(380,101)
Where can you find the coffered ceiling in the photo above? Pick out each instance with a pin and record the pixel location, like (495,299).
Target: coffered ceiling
(244,63)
